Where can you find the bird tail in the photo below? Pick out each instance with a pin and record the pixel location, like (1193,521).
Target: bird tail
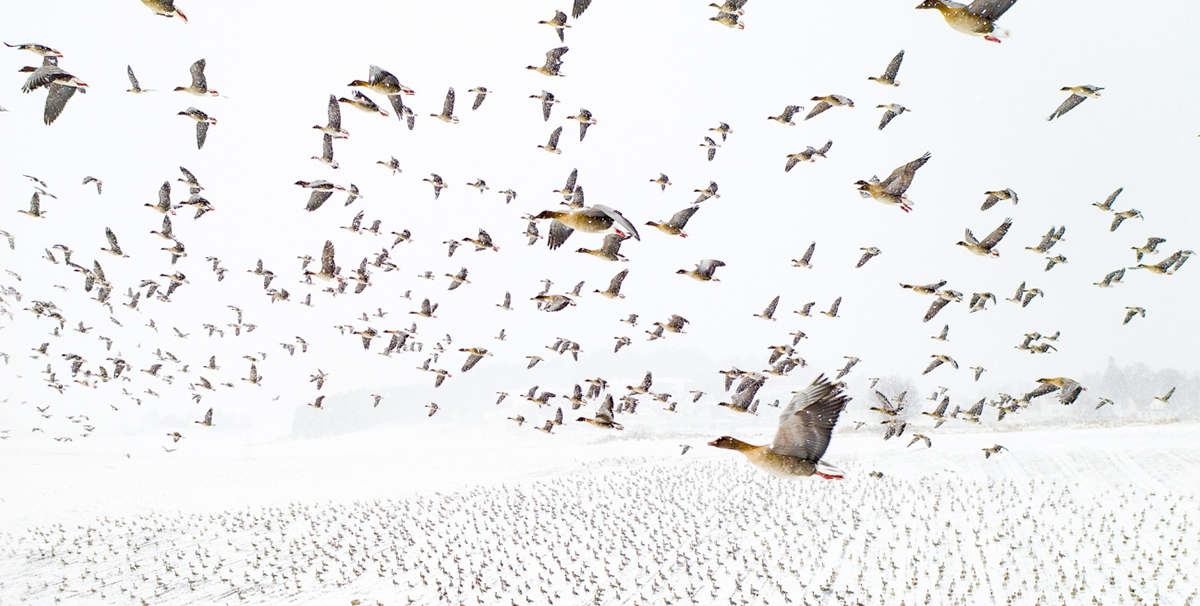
(829,472)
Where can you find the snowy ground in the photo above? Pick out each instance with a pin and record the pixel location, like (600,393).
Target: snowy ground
(1066,516)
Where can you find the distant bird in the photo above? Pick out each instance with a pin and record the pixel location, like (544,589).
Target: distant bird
(938,360)
(610,248)
(1102,402)
(585,119)
(1107,204)
(1150,247)
(806,260)
(869,253)
(548,101)
(786,116)
(944,335)
(326,156)
(203,121)
(100,187)
(1113,277)
(133,82)
(808,155)
(804,431)
(1078,95)
(333,126)
(977,19)
(893,110)
(604,416)
(207,422)
(165,8)
(35,211)
(447,114)
(475,355)
(674,227)
(614,286)
(1131,312)
(559,23)
(40,50)
(662,180)
(826,102)
(1118,218)
(889,75)
(995,196)
(917,437)
(729,20)
(712,147)
(892,190)
(363,103)
(199,85)
(553,62)
(321,191)
(552,145)
(988,452)
(704,270)
(1165,399)
(60,86)
(768,313)
(985,248)
(833,309)
(722,129)
(708,192)
(113,247)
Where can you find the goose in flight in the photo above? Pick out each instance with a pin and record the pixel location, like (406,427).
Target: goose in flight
(704,270)
(165,8)
(199,85)
(553,62)
(1078,95)
(203,121)
(674,227)
(891,190)
(893,110)
(977,19)
(321,191)
(889,75)
(803,436)
(447,114)
(60,86)
(826,102)
(984,248)
(333,126)
(595,219)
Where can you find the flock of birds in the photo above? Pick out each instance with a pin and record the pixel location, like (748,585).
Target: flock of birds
(427,547)
(806,421)
(636,532)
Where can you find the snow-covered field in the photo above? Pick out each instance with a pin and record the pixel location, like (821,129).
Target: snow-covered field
(1065,516)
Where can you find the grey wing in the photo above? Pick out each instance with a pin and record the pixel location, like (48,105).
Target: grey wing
(579,6)
(198,79)
(935,307)
(990,9)
(554,137)
(712,153)
(583,126)
(397,102)
(471,361)
(558,234)
(187,174)
(818,108)
(1067,105)
(547,104)
(327,146)
(448,105)
(997,235)
(317,199)
(680,219)
(791,163)
(897,183)
(606,409)
(807,258)
(56,100)
(620,219)
(808,420)
(112,238)
(887,117)
(202,134)
(478,101)
(1113,197)
(863,261)
(825,148)
(611,245)
(132,78)
(991,201)
(893,68)
(836,304)
(770,310)
(615,284)
(570,186)
(335,113)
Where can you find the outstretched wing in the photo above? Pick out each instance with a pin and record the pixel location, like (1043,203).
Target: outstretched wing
(808,420)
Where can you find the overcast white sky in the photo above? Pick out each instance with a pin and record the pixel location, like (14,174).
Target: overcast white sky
(656,80)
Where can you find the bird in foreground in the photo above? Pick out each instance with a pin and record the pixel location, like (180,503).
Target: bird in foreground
(674,227)
(826,102)
(553,62)
(1078,95)
(165,8)
(893,110)
(595,219)
(977,19)
(891,190)
(203,121)
(704,270)
(803,436)
(985,247)
(889,75)
(604,416)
